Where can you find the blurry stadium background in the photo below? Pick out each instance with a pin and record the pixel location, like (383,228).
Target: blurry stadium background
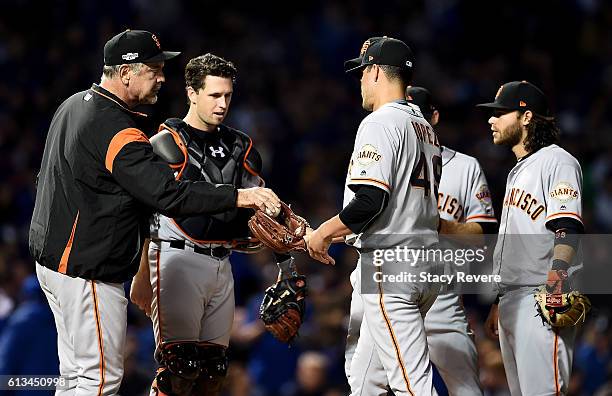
(293,98)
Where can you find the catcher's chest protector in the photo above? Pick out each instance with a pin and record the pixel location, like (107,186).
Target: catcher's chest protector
(201,167)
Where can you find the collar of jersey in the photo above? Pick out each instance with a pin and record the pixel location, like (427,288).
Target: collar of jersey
(529,158)
(113,98)
(526,157)
(447,154)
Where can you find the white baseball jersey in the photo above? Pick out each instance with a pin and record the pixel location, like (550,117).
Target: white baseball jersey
(397,150)
(464,195)
(544,186)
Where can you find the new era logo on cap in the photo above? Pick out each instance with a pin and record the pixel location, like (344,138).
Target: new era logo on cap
(134,46)
(381,51)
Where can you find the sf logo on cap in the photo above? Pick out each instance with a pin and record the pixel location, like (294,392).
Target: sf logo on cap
(154,37)
(499,91)
(364,47)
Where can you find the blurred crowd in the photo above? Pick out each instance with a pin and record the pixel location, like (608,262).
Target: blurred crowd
(302,112)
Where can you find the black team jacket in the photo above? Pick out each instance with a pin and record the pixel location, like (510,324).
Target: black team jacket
(98,185)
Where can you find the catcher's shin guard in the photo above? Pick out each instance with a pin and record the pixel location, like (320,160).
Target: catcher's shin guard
(214,364)
(180,367)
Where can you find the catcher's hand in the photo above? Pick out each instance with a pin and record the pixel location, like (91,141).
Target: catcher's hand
(282,233)
(282,308)
(558,306)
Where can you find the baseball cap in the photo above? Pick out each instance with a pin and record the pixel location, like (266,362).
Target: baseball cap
(519,95)
(135,46)
(422,98)
(381,51)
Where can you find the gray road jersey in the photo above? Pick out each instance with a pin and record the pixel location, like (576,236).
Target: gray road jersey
(398,151)
(546,185)
(464,195)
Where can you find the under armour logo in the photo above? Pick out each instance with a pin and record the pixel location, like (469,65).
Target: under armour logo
(214,152)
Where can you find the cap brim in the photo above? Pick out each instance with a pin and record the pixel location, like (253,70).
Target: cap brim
(353,66)
(165,55)
(493,105)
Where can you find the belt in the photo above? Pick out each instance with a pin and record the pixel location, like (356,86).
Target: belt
(218,252)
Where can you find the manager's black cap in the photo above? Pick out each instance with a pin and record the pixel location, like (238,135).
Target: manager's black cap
(381,51)
(422,98)
(135,46)
(519,95)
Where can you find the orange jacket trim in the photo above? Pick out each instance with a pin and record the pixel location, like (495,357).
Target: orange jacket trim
(63,265)
(118,141)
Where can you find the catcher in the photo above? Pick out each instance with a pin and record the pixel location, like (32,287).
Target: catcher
(538,237)
(185,280)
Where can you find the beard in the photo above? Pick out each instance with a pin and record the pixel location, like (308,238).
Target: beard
(511,136)
(151,97)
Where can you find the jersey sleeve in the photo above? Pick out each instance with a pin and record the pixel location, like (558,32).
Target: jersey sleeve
(479,205)
(373,158)
(148,178)
(564,195)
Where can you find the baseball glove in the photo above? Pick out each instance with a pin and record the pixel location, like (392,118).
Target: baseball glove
(282,233)
(560,308)
(282,309)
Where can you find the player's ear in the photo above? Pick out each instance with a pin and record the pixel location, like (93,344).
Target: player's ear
(124,74)
(526,118)
(192,95)
(435,118)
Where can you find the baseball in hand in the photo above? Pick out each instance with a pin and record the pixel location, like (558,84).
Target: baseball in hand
(273,212)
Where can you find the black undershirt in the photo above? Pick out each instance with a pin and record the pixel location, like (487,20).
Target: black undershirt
(368,203)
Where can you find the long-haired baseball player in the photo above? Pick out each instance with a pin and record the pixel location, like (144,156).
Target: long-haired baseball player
(538,237)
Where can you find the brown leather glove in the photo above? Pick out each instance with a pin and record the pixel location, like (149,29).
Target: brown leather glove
(560,307)
(283,233)
(282,309)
